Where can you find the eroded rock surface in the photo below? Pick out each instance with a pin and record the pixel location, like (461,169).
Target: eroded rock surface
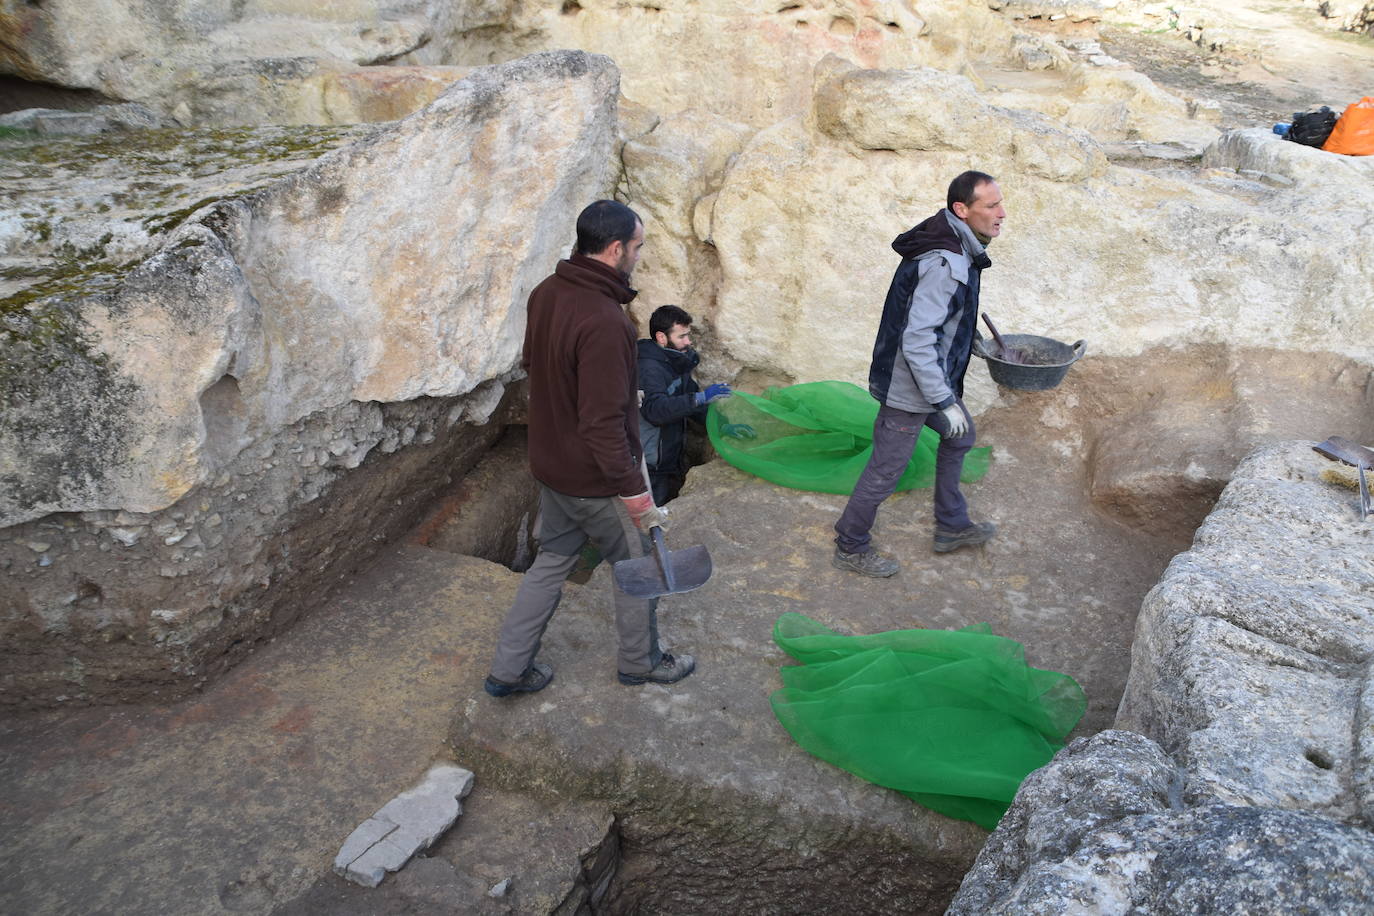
(1101,830)
(179,419)
(1127,259)
(1246,777)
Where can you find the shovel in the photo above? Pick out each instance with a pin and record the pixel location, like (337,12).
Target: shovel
(1342,449)
(1006,354)
(663,572)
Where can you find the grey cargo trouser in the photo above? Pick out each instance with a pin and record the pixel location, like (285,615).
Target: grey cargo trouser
(894,440)
(566,523)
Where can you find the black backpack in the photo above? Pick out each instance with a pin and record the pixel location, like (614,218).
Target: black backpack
(1311,128)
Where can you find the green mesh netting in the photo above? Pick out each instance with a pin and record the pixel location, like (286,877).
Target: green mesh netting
(818,436)
(952,719)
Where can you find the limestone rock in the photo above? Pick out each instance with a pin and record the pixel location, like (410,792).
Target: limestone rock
(668,170)
(410,822)
(1249,659)
(130,48)
(1348,15)
(100,119)
(931,110)
(1258,150)
(1124,258)
(1100,829)
(1250,677)
(739,60)
(305,90)
(1115,104)
(394,269)
(83,208)
(1072,10)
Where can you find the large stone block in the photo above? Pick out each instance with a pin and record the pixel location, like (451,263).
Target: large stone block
(206,442)
(1246,779)
(1100,830)
(395,268)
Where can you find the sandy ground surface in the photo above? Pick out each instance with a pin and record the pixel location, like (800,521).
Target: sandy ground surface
(1275,58)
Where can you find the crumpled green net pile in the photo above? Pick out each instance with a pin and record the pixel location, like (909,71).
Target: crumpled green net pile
(818,436)
(952,719)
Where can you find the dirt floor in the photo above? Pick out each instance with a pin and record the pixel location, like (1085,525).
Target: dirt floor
(1275,58)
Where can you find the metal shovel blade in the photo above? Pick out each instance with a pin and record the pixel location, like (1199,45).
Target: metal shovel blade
(1340,448)
(663,572)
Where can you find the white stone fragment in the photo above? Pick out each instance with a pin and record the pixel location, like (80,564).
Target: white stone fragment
(408,823)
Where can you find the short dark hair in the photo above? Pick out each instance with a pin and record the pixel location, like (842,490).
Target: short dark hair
(665,317)
(964,188)
(604,222)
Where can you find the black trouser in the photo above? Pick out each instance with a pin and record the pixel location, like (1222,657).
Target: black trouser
(666,485)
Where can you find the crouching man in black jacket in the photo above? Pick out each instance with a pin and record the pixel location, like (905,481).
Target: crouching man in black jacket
(670,397)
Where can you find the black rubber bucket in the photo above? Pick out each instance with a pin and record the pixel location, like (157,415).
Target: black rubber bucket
(1047,360)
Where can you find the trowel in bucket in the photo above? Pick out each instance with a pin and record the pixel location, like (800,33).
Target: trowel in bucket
(1342,449)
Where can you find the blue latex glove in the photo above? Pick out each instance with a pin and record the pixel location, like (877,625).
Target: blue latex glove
(738,431)
(717,392)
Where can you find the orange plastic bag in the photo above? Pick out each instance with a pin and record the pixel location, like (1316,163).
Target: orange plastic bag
(1353,134)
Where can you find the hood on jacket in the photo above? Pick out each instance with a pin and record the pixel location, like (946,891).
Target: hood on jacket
(937,233)
(679,361)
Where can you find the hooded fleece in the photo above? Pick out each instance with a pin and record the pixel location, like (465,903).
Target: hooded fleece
(926,333)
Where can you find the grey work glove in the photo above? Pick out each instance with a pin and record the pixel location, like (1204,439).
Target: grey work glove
(957,419)
(644,513)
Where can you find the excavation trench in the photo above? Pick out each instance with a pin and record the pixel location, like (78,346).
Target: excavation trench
(1094,486)
(594,797)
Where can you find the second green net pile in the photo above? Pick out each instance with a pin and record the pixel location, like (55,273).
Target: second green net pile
(818,436)
(952,719)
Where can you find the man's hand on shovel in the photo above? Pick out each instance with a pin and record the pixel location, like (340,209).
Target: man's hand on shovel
(644,513)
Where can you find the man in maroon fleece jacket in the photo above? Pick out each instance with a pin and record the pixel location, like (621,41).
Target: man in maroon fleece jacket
(585,452)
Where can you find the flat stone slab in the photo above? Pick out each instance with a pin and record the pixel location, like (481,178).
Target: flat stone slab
(403,826)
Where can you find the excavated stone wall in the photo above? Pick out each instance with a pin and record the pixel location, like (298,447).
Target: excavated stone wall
(1242,770)
(117,605)
(195,447)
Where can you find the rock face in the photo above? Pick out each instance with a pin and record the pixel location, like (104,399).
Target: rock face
(369,304)
(225,62)
(740,59)
(1246,777)
(1101,830)
(1125,258)
(1251,659)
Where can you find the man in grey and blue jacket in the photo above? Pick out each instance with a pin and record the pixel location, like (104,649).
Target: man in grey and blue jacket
(920,355)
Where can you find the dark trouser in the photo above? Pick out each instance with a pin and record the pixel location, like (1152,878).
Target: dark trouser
(894,440)
(666,485)
(565,525)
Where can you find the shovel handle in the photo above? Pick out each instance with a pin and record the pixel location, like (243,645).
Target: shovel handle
(664,563)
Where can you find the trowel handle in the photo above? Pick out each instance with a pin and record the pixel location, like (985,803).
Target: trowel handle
(995,336)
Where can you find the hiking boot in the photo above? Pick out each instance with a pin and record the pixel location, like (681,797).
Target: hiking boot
(977,533)
(871,563)
(536,677)
(669,670)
